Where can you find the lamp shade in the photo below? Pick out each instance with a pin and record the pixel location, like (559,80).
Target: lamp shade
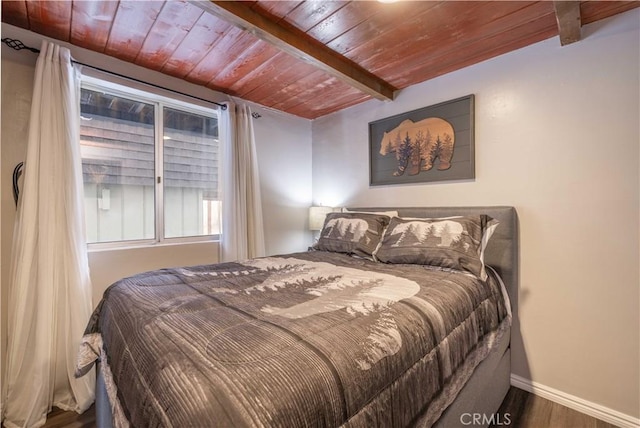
(317,216)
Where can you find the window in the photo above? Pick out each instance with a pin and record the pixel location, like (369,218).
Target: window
(150,167)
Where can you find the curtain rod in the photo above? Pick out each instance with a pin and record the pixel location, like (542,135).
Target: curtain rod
(18,45)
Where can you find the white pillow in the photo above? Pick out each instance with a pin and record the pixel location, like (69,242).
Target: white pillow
(387,213)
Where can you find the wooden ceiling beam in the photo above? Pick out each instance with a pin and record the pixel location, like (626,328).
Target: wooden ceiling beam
(300,45)
(569,21)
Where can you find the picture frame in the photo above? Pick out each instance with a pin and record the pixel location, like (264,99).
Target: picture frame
(430,144)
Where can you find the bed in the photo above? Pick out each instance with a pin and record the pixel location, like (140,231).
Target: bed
(362,330)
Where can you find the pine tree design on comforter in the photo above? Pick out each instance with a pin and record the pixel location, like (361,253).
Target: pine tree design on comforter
(309,339)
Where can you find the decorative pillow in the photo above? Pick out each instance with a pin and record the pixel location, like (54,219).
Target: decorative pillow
(452,242)
(352,233)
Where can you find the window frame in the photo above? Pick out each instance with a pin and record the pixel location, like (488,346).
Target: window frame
(160,101)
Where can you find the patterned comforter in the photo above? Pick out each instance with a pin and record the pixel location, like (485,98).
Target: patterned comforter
(308,339)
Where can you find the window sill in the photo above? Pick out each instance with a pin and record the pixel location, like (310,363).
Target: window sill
(105,247)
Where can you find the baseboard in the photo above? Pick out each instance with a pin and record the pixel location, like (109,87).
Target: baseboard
(571,401)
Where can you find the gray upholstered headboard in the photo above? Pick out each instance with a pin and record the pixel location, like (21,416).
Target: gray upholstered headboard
(502,252)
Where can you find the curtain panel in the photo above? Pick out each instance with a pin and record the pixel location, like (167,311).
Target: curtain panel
(50,289)
(242,224)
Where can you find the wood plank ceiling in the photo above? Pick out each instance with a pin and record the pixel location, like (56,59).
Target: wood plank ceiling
(307,58)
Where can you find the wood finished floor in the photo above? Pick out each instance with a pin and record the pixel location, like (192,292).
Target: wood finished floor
(61,419)
(525,411)
(530,411)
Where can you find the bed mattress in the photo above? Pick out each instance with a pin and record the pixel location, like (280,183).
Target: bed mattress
(314,338)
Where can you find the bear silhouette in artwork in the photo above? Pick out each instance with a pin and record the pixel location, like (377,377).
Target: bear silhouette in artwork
(360,293)
(419,144)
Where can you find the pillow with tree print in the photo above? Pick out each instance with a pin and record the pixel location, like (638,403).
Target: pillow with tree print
(452,242)
(352,233)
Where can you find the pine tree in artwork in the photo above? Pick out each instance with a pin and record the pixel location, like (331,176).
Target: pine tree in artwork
(397,143)
(445,235)
(351,296)
(437,148)
(425,232)
(426,143)
(349,234)
(429,152)
(431,239)
(312,285)
(383,338)
(389,146)
(405,150)
(416,153)
(335,232)
(406,147)
(411,236)
(404,154)
(446,152)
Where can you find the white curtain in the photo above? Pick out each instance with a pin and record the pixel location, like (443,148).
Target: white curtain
(242,229)
(50,290)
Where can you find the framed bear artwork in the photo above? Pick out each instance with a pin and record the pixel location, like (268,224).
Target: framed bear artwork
(434,143)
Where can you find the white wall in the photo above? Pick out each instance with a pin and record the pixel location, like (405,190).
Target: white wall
(283,143)
(17,83)
(557,136)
